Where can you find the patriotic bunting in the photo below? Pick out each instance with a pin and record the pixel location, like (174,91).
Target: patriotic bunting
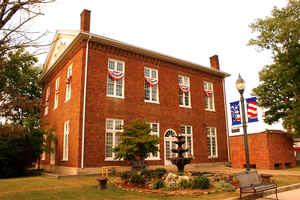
(235,113)
(57,91)
(151,81)
(207,93)
(184,88)
(252,109)
(116,75)
(68,81)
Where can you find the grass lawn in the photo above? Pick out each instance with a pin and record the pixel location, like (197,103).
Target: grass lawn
(85,188)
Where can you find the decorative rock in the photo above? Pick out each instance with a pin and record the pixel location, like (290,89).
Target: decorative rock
(171,180)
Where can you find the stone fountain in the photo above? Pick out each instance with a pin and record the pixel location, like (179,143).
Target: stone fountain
(180,161)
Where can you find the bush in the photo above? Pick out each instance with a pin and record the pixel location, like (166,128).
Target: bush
(200,182)
(159,172)
(137,179)
(146,172)
(224,186)
(125,176)
(184,184)
(158,184)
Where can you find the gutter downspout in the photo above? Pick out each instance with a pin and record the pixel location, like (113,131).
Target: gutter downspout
(84,102)
(226,117)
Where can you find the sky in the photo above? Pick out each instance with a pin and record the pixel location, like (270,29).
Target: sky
(191,30)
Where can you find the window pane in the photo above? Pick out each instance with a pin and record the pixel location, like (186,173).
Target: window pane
(189,144)
(118,125)
(153,72)
(117,139)
(108,145)
(180,79)
(109,124)
(180,97)
(209,146)
(154,93)
(110,86)
(211,102)
(188,130)
(214,150)
(111,65)
(119,89)
(147,72)
(154,128)
(182,128)
(120,67)
(206,102)
(147,91)
(187,99)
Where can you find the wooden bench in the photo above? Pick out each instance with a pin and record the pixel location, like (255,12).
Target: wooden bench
(105,170)
(251,182)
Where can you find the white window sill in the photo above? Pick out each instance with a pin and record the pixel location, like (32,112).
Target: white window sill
(210,110)
(116,96)
(64,160)
(148,101)
(152,159)
(212,157)
(181,106)
(67,100)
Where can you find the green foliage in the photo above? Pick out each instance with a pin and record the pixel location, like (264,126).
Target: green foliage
(184,184)
(224,186)
(159,172)
(200,182)
(136,141)
(125,176)
(20,147)
(146,172)
(158,184)
(279,88)
(136,179)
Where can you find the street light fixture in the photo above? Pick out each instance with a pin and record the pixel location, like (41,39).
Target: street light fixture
(240,85)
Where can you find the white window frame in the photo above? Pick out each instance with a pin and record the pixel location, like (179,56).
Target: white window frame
(56,96)
(47,101)
(184,132)
(209,101)
(151,88)
(114,132)
(68,86)
(115,81)
(151,156)
(211,136)
(186,81)
(66,141)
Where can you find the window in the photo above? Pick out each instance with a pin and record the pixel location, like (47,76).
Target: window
(209,96)
(186,131)
(56,93)
(43,157)
(112,136)
(66,141)
(68,83)
(154,131)
(115,79)
(212,142)
(184,91)
(47,101)
(151,85)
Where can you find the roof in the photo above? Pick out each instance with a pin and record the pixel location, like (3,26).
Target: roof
(115,43)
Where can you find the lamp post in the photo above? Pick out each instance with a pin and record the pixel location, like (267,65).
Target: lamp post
(240,85)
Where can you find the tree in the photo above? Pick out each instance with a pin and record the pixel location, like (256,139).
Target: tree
(14,16)
(279,88)
(20,92)
(136,141)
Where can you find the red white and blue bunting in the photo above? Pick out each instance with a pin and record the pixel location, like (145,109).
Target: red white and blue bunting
(184,88)
(116,75)
(69,79)
(57,91)
(207,93)
(151,81)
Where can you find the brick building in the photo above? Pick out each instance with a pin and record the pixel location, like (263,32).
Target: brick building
(92,85)
(271,149)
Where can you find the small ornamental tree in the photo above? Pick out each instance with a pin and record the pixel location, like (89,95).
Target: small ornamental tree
(136,141)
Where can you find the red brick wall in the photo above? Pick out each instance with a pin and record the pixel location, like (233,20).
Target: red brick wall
(70,110)
(265,149)
(167,112)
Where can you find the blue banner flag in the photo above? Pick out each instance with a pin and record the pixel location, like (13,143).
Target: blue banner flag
(252,109)
(235,113)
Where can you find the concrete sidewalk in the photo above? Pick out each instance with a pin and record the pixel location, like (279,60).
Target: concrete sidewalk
(289,195)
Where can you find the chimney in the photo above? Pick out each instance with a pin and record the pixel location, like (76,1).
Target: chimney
(214,62)
(85,20)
